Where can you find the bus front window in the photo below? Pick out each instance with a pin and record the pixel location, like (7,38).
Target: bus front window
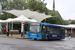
(34,29)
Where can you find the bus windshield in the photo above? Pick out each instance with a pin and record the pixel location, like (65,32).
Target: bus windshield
(34,28)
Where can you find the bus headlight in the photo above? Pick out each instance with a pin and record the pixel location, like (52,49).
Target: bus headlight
(28,34)
(38,35)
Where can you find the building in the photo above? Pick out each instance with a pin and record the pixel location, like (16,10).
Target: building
(70,29)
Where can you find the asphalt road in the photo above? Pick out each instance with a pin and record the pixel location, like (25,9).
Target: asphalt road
(29,44)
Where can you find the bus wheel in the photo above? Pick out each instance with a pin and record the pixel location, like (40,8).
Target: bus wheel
(47,38)
(60,38)
(35,39)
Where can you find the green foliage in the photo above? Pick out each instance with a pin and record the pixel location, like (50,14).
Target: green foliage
(72,22)
(53,13)
(36,6)
(16,4)
(56,19)
(6,16)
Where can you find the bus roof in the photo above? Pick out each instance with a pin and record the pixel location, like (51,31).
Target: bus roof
(47,24)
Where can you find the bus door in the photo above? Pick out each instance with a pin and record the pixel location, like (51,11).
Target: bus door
(43,32)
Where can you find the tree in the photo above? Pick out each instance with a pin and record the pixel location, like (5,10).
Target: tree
(36,6)
(56,19)
(72,22)
(6,16)
(9,5)
(17,4)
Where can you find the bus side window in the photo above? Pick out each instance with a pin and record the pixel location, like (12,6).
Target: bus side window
(47,29)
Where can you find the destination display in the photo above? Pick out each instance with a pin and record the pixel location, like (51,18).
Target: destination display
(35,23)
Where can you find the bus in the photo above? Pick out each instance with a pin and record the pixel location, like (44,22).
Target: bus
(45,31)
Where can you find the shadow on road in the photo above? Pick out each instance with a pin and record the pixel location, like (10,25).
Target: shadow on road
(48,40)
(40,40)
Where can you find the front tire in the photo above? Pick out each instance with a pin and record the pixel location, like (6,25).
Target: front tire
(47,37)
(35,39)
(60,38)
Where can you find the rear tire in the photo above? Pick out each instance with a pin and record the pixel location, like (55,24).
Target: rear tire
(47,37)
(35,39)
(60,38)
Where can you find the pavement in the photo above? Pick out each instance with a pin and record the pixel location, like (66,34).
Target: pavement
(29,44)
(16,42)
(12,36)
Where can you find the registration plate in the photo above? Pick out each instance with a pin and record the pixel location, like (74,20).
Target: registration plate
(54,35)
(33,34)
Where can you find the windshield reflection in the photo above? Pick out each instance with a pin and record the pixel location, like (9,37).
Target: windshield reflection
(34,29)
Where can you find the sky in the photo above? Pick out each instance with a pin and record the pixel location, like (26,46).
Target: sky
(66,8)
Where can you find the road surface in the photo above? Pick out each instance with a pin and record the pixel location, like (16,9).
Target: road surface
(29,44)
